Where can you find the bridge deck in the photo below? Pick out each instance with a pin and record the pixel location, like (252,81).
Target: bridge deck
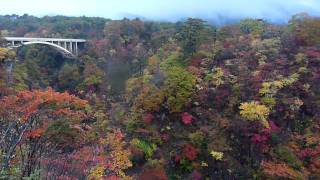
(43,39)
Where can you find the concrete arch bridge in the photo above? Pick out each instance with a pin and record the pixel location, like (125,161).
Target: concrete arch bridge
(69,47)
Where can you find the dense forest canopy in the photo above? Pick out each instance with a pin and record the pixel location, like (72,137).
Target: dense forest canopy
(159,100)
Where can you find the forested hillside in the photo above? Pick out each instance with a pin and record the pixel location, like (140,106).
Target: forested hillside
(157,100)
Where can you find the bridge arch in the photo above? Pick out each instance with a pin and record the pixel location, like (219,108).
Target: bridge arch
(50,44)
(68,47)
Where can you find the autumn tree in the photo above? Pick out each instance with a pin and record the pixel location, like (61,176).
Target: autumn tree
(69,76)
(280,170)
(26,122)
(6,54)
(93,75)
(254,26)
(179,88)
(306,29)
(190,35)
(253,111)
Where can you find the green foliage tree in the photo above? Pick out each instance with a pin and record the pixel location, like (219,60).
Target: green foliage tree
(267,47)
(144,146)
(93,76)
(179,88)
(190,35)
(69,76)
(254,26)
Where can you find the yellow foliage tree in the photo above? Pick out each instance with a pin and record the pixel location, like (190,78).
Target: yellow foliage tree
(117,158)
(271,88)
(6,54)
(253,111)
(217,77)
(216,155)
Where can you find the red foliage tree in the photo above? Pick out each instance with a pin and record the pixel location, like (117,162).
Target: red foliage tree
(26,117)
(147,118)
(190,152)
(195,175)
(313,52)
(262,138)
(157,173)
(186,118)
(309,153)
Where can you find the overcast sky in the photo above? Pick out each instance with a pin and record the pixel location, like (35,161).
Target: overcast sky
(172,10)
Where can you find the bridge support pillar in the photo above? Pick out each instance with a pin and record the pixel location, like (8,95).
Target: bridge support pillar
(76,49)
(71,47)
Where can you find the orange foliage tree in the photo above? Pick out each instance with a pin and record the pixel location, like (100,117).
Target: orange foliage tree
(26,121)
(280,170)
(107,158)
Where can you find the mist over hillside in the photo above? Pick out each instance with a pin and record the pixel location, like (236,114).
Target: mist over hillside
(166,10)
